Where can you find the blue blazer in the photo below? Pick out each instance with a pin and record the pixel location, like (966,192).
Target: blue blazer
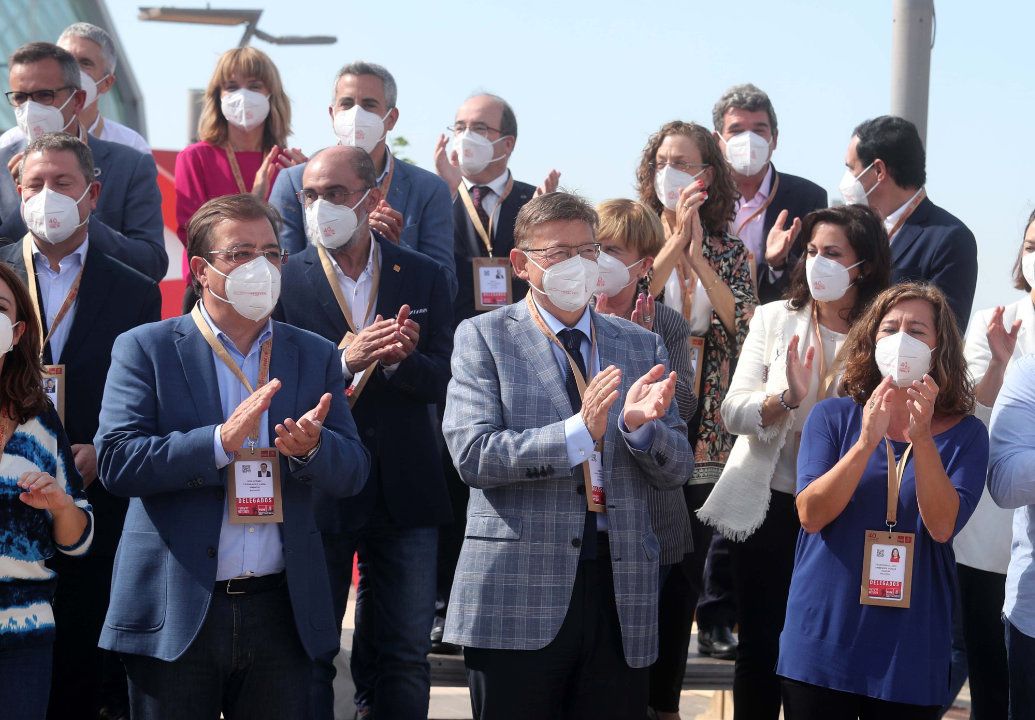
(422,198)
(392,412)
(936,247)
(127,224)
(154,445)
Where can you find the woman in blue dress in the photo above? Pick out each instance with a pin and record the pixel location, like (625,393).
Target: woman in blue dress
(907,392)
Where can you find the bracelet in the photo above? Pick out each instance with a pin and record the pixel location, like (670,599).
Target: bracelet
(784,405)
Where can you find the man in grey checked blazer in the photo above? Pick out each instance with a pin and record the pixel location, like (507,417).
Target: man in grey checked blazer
(557,607)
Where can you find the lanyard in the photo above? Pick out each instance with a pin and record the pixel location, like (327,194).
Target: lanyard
(386,184)
(7,427)
(762,209)
(826,378)
(911,206)
(688,284)
(217,347)
(895,473)
(235,169)
(580,380)
(484,233)
(30,274)
(332,280)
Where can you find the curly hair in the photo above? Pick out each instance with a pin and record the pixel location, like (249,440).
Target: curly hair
(869,240)
(246,62)
(948,365)
(21,385)
(718,210)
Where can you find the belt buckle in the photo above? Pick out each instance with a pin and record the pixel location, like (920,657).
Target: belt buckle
(232,592)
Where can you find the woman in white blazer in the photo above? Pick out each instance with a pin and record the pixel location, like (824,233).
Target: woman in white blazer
(995,338)
(789,362)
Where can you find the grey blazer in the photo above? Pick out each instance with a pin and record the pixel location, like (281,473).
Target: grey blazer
(504,426)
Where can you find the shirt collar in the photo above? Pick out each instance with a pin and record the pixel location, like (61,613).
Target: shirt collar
(584,324)
(763,192)
(497,185)
(74,259)
(266,334)
(388,165)
(368,271)
(891,220)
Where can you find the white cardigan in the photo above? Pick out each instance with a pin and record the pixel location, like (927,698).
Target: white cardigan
(984,543)
(739,501)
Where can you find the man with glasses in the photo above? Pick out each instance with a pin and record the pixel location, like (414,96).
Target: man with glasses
(414,209)
(555,597)
(388,309)
(220,601)
(127,222)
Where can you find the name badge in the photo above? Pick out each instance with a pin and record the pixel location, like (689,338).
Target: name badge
(596,496)
(887,577)
(54,387)
(254,482)
(492,287)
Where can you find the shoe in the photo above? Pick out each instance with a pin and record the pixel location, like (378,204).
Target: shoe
(717,642)
(438,645)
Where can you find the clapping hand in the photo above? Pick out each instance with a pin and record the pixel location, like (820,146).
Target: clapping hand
(1000,342)
(387,221)
(447,166)
(600,395)
(406,337)
(275,159)
(778,244)
(246,417)
(876,415)
(922,396)
(649,398)
(799,374)
(643,313)
(296,439)
(548,185)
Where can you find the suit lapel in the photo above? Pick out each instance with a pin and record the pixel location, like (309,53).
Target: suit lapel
(200,371)
(324,293)
(503,235)
(393,272)
(93,291)
(910,232)
(400,189)
(609,348)
(284,366)
(531,343)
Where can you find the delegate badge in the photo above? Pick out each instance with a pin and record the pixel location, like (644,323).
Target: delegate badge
(887,568)
(254,481)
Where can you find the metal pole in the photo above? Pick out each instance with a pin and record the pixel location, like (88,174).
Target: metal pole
(912,37)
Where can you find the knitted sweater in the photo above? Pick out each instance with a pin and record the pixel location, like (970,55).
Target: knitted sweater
(26,534)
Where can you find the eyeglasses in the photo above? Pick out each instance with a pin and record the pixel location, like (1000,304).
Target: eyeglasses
(242,255)
(560,253)
(335,196)
(689,168)
(43,97)
(477,128)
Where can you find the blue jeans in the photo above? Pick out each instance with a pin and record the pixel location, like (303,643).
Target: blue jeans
(395,605)
(1020,656)
(246,662)
(25,681)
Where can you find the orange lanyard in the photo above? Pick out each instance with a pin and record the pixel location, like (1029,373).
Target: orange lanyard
(762,209)
(332,280)
(235,169)
(895,473)
(580,379)
(825,378)
(914,203)
(30,274)
(485,233)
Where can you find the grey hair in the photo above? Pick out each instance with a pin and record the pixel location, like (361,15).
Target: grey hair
(58,142)
(365,68)
(551,207)
(98,35)
(508,121)
(742,97)
(35,52)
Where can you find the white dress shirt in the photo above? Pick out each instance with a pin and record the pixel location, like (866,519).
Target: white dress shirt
(891,220)
(751,234)
(54,286)
(491,202)
(357,297)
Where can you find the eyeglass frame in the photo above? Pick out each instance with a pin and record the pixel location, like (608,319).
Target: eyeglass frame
(453,129)
(679,165)
(302,199)
(572,251)
(32,95)
(230,254)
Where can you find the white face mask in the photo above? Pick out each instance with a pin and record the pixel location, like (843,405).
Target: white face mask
(1028,267)
(244,108)
(614,276)
(35,119)
(569,284)
(474,152)
(828,279)
(6,333)
(669,183)
(747,153)
(90,86)
(253,288)
(330,225)
(359,127)
(852,190)
(902,357)
(52,216)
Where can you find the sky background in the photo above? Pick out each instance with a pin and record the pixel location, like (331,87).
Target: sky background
(589,81)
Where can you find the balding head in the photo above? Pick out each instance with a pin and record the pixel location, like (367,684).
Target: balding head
(340,175)
(493,110)
(348,166)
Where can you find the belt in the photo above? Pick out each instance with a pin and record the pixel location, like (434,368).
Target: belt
(250,585)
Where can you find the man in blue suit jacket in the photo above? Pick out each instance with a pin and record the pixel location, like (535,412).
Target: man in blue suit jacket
(212,615)
(127,223)
(415,211)
(887,159)
(393,522)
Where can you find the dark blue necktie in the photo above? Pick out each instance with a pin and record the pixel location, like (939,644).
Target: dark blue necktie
(571,339)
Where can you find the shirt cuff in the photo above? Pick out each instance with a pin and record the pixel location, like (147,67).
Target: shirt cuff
(641,438)
(577,439)
(389,370)
(345,372)
(775,275)
(222,457)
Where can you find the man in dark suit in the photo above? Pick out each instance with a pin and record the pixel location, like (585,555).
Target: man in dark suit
(219,604)
(127,222)
(745,125)
(108,299)
(886,169)
(341,287)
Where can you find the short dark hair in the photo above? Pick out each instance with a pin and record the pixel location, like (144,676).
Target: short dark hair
(1019,281)
(35,52)
(869,240)
(742,97)
(551,207)
(62,142)
(244,206)
(896,141)
(508,120)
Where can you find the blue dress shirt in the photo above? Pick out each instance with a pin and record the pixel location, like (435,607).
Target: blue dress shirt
(54,286)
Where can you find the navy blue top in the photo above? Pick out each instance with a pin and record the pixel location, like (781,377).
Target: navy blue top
(829,639)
